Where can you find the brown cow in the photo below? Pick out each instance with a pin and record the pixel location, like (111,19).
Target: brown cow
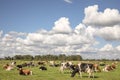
(25,71)
(107,68)
(97,68)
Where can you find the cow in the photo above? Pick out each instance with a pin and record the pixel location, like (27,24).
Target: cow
(52,63)
(42,68)
(66,66)
(97,68)
(84,67)
(41,63)
(108,67)
(8,67)
(13,63)
(113,65)
(19,66)
(25,71)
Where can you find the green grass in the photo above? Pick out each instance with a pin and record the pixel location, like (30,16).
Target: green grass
(53,74)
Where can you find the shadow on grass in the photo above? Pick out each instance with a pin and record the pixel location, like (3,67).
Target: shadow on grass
(90,77)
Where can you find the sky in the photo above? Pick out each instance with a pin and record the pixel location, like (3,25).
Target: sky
(90,28)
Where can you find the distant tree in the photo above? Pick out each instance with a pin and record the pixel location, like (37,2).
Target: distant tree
(38,57)
(48,57)
(28,57)
(74,57)
(18,57)
(62,57)
(8,58)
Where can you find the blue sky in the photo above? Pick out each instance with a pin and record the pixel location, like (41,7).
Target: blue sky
(16,15)
(89,21)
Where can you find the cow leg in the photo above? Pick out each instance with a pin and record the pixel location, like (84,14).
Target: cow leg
(30,72)
(74,72)
(80,73)
(91,73)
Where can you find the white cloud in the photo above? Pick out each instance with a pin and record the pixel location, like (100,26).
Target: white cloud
(56,39)
(80,29)
(118,48)
(109,17)
(62,39)
(107,47)
(68,1)
(62,26)
(36,37)
(110,33)
(1,32)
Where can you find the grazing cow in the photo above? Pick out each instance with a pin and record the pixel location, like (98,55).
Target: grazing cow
(42,68)
(84,67)
(41,63)
(66,66)
(25,71)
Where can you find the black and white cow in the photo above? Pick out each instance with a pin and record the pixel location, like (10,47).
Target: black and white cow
(84,67)
(42,68)
(66,66)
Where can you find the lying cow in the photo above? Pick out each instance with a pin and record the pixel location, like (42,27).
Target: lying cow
(84,67)
(108,67)
(42,68)
(8,67)
(25,71)
(19,66)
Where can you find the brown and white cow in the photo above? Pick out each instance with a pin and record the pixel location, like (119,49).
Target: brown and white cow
(8,67)
(108,67)
(25,71)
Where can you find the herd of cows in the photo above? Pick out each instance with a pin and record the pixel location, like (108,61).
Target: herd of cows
(86,67)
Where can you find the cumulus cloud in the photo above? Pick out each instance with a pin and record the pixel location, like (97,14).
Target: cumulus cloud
(80,29)
(1,32)
(118,48)
(109,17)
(62,26)
(68,1)
(62,39)
(110,33)
(107,47)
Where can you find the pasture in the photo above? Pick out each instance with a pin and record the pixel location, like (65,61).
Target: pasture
(53,73)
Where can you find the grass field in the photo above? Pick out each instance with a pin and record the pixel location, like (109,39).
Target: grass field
(53,74)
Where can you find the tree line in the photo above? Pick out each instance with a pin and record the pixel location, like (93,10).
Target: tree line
(45,57)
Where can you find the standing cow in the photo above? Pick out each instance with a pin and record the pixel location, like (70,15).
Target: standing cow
(84,67)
